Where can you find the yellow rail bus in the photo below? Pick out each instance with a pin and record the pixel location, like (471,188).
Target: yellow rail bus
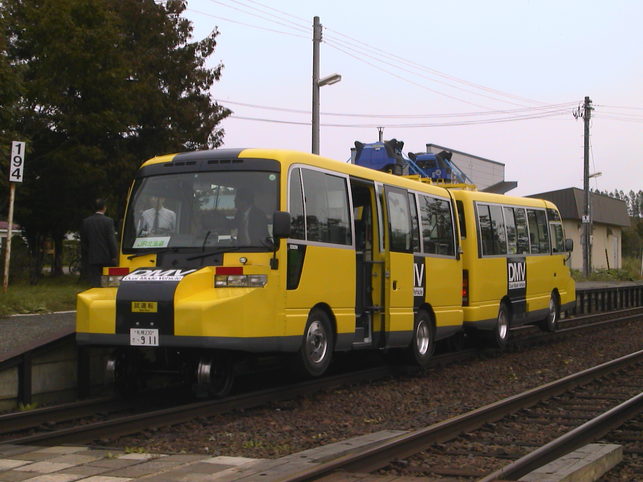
(514,271)
(228,253)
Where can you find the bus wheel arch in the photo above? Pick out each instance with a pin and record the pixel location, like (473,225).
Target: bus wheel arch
(422,345)
(318,342)
(551,321)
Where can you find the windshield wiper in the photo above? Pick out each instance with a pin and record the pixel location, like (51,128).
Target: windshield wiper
(151,251)
(216,251)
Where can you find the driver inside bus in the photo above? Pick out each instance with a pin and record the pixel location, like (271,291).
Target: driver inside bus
(249,220)
(157,220)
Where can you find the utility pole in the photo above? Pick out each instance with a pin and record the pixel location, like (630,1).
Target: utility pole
(587,220)
(317,37)
(317,83)
(380,132)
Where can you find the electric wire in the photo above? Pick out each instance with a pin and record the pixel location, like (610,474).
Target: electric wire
(342,46)
(238,22)
(563,108)
(409,126)
(285,23)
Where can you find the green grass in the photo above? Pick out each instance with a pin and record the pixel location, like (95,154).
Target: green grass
(50,294)
(630,271)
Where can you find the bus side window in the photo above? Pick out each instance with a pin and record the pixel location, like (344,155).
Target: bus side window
(399,220)
(499,234)
(486,233)
(557,237)
(510,223)
(461,219)
(538,231)
(543,232)
(522,233)
(296,202)
(327,215)
(415,235)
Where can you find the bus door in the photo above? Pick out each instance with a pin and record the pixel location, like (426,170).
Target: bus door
(368,263)
(398,268)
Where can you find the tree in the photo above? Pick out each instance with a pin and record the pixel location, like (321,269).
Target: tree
(106,84)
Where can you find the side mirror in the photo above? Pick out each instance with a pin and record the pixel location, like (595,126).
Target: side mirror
(280,224)
(569,245)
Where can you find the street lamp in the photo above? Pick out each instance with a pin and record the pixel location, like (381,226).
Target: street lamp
(317,83)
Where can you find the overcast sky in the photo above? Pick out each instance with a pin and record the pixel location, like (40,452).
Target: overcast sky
(427,70)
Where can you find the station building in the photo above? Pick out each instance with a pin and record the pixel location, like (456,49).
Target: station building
(609,217)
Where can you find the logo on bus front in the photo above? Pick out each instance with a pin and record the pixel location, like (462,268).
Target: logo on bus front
(158,274)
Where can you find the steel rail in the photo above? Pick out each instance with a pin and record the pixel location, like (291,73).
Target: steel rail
(405,445)
(174,415)
(588,432)
(15,421)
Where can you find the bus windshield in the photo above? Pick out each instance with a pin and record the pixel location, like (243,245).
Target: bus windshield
(199,210)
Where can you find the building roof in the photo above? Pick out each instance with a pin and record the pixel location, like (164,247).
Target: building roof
(455,151)
(604,209)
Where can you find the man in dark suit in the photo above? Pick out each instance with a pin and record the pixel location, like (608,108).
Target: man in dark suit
(250,221)
(98,244)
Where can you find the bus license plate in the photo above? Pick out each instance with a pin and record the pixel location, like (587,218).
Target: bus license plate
(143,337)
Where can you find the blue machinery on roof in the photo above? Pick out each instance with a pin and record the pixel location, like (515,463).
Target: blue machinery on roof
(388,156)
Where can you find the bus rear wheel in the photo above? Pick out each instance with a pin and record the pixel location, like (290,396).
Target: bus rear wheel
(423,343)
(501,331)
(550,323)
(316,351)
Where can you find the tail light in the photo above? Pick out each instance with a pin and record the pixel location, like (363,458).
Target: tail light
(112,276)
(465,287)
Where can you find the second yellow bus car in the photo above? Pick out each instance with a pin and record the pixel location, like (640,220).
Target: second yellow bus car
(514,270)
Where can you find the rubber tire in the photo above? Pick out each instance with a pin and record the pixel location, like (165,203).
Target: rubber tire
(422,346)
(316,352)
(501,330)
(551,321)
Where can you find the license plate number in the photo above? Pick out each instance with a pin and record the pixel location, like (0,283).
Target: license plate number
(143,337)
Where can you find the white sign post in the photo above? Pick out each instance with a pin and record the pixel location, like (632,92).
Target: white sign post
(16,170)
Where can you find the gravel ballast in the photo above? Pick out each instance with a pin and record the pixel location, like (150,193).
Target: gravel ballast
(403,403)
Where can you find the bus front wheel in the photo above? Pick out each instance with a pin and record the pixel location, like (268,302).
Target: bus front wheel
(316,351)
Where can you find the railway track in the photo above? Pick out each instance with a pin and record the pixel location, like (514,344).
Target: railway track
(76,422)
(509,438)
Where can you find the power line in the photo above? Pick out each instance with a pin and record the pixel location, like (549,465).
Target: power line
(411,126)
(238,22)
(363,49)
(433,71)
(562,108)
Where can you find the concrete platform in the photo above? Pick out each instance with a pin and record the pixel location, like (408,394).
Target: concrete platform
(21,333)
(70,463)
(586,464)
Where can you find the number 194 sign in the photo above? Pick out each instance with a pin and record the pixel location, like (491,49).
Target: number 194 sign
(17,163)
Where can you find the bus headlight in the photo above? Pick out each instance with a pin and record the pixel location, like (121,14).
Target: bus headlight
(240,280)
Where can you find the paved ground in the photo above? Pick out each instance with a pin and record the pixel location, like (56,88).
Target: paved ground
(22,332)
